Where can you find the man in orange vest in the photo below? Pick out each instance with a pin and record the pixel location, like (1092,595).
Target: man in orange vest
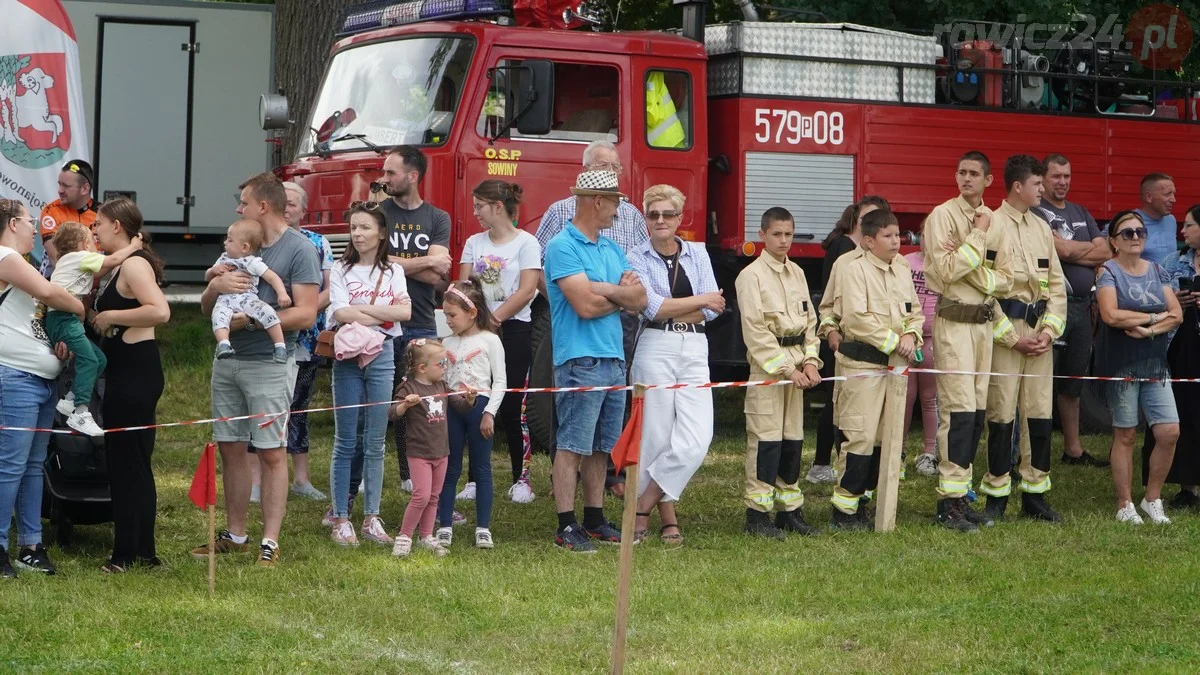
(74,204)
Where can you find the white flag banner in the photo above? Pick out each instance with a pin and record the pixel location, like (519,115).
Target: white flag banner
(41,100)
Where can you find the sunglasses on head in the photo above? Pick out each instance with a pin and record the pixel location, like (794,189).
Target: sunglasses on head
(365,205)
(1129,234)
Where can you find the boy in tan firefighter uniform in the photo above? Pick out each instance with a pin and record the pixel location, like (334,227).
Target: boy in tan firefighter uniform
(1032,315)
(881,322)
(967,263)
(779,326)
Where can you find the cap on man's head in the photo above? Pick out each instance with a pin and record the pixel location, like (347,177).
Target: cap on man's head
(593,183)
(83,169)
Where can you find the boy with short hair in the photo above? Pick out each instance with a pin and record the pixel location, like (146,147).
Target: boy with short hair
(779,326)
(881,321)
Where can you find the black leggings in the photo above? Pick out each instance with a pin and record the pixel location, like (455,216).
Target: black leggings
(517,338)
(133,385)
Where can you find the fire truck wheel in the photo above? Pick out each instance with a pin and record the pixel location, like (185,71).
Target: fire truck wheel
(539,408)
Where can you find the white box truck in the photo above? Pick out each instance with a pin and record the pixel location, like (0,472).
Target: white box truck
(171,92)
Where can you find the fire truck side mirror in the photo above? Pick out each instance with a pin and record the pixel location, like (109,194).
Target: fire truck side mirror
(536,98)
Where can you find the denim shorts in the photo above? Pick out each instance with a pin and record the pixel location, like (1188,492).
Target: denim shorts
(589,421)
(1156,400)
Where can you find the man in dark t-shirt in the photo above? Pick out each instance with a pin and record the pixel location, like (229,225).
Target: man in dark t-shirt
(1081,247)
(418,241)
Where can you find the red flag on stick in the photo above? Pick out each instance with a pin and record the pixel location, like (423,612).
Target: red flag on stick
(628,450)
(203,492)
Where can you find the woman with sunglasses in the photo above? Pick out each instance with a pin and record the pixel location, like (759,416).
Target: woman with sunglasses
(1139,309)
(368,289)
(682,296)
(1183,357)
(507,261)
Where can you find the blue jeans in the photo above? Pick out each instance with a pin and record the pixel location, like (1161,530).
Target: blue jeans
(399,425)
(353,386)
(25,401)
(464,429)
(589,421)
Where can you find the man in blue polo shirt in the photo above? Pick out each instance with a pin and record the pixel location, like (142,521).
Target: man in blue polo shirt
(589,282)
(1158,198)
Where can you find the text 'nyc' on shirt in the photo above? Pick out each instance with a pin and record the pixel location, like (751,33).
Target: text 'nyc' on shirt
(410,234)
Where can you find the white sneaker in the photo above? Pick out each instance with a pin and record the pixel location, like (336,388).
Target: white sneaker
(343,535)
(434,546)
(255,494)
(520,492)
(406,485)
(1154,509)
(374,530)
(1128,514)
(403,546)
(307,490)
(483,538)
(84,424)
(445,536)
(927,464)
(468,493)
(821,474)
(66,407)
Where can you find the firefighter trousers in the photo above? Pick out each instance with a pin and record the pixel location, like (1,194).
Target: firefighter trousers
(868,411)
(1033,396)
(774,436)
(962,399)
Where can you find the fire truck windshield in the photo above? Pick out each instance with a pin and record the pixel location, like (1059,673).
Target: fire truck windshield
(402,92)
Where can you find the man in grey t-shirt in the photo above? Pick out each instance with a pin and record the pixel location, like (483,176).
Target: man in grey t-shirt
(251,383)
(418,241)
(1081,247)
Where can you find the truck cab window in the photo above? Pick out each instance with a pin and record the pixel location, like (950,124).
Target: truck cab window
(401,92)
(668,110)
(586,102)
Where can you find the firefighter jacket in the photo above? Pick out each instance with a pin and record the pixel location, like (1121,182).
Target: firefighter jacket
(831,313)
(879,303)
(775,306)
(663,129)
(978,268)
(1036,272)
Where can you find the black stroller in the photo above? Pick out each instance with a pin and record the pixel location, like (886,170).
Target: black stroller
(76,473)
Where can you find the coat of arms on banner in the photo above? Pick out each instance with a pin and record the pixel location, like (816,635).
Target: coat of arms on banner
(35,125)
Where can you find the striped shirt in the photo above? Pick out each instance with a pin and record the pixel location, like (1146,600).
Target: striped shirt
(654,275)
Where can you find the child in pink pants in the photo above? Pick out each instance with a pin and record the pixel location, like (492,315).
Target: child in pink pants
(423,397)
(924,384)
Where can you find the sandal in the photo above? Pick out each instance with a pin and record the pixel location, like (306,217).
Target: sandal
(676,539)
(643,534)
(111,567)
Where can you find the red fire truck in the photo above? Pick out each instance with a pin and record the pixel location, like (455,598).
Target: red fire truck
(800,115)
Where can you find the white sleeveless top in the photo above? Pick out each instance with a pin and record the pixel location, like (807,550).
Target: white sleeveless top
(24,345)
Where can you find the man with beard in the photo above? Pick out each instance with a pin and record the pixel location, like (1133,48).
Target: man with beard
(418,241)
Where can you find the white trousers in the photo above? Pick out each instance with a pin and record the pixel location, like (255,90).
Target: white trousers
(678,424)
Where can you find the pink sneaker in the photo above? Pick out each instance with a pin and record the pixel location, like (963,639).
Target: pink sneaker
(373,530)
(343,535)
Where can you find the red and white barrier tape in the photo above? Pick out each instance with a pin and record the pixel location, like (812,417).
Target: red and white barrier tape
(899,370)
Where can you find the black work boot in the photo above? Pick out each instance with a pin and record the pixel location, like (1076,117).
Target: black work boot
(864,514)
(1035,506)
(952,515)
(759,523)
(979,518)
(995,508)
(793,521)
(847,522)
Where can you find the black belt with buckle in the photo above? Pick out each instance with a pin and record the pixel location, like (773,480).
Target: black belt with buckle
(790,340)
(861,351)
(1030,314)
(676,326)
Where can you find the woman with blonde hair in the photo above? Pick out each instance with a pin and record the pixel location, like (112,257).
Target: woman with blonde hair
(682,297)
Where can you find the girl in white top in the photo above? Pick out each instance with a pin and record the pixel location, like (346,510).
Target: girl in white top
(28,367)
(368,289)
(507,261)
(476,360)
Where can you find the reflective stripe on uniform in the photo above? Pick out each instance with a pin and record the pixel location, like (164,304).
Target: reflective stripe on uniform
(764,500)
(953,485)
(663,127)
(1054,323)
(991,280)
(1036,488)
(775,363)
(788,495)
(890,342)
(810,353)
(1003,327)
(969,254)
(847,504)
(996,491)
(829,321)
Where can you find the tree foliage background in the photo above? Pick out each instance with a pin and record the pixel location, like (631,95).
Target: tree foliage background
(304,28)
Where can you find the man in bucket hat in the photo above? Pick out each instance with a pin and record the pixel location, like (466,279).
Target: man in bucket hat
(588,281)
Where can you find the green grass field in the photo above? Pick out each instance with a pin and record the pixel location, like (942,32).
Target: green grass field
(1090,595)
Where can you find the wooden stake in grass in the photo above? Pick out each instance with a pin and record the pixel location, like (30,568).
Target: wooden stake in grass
(212,549)
(627,452)
(891,452)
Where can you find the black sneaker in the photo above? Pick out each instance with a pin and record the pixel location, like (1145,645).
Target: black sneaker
(1186,499)
(6,568)
(793,521)
(1085,459)
(759,524)
(607,533)
(35,559)
(573,539)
